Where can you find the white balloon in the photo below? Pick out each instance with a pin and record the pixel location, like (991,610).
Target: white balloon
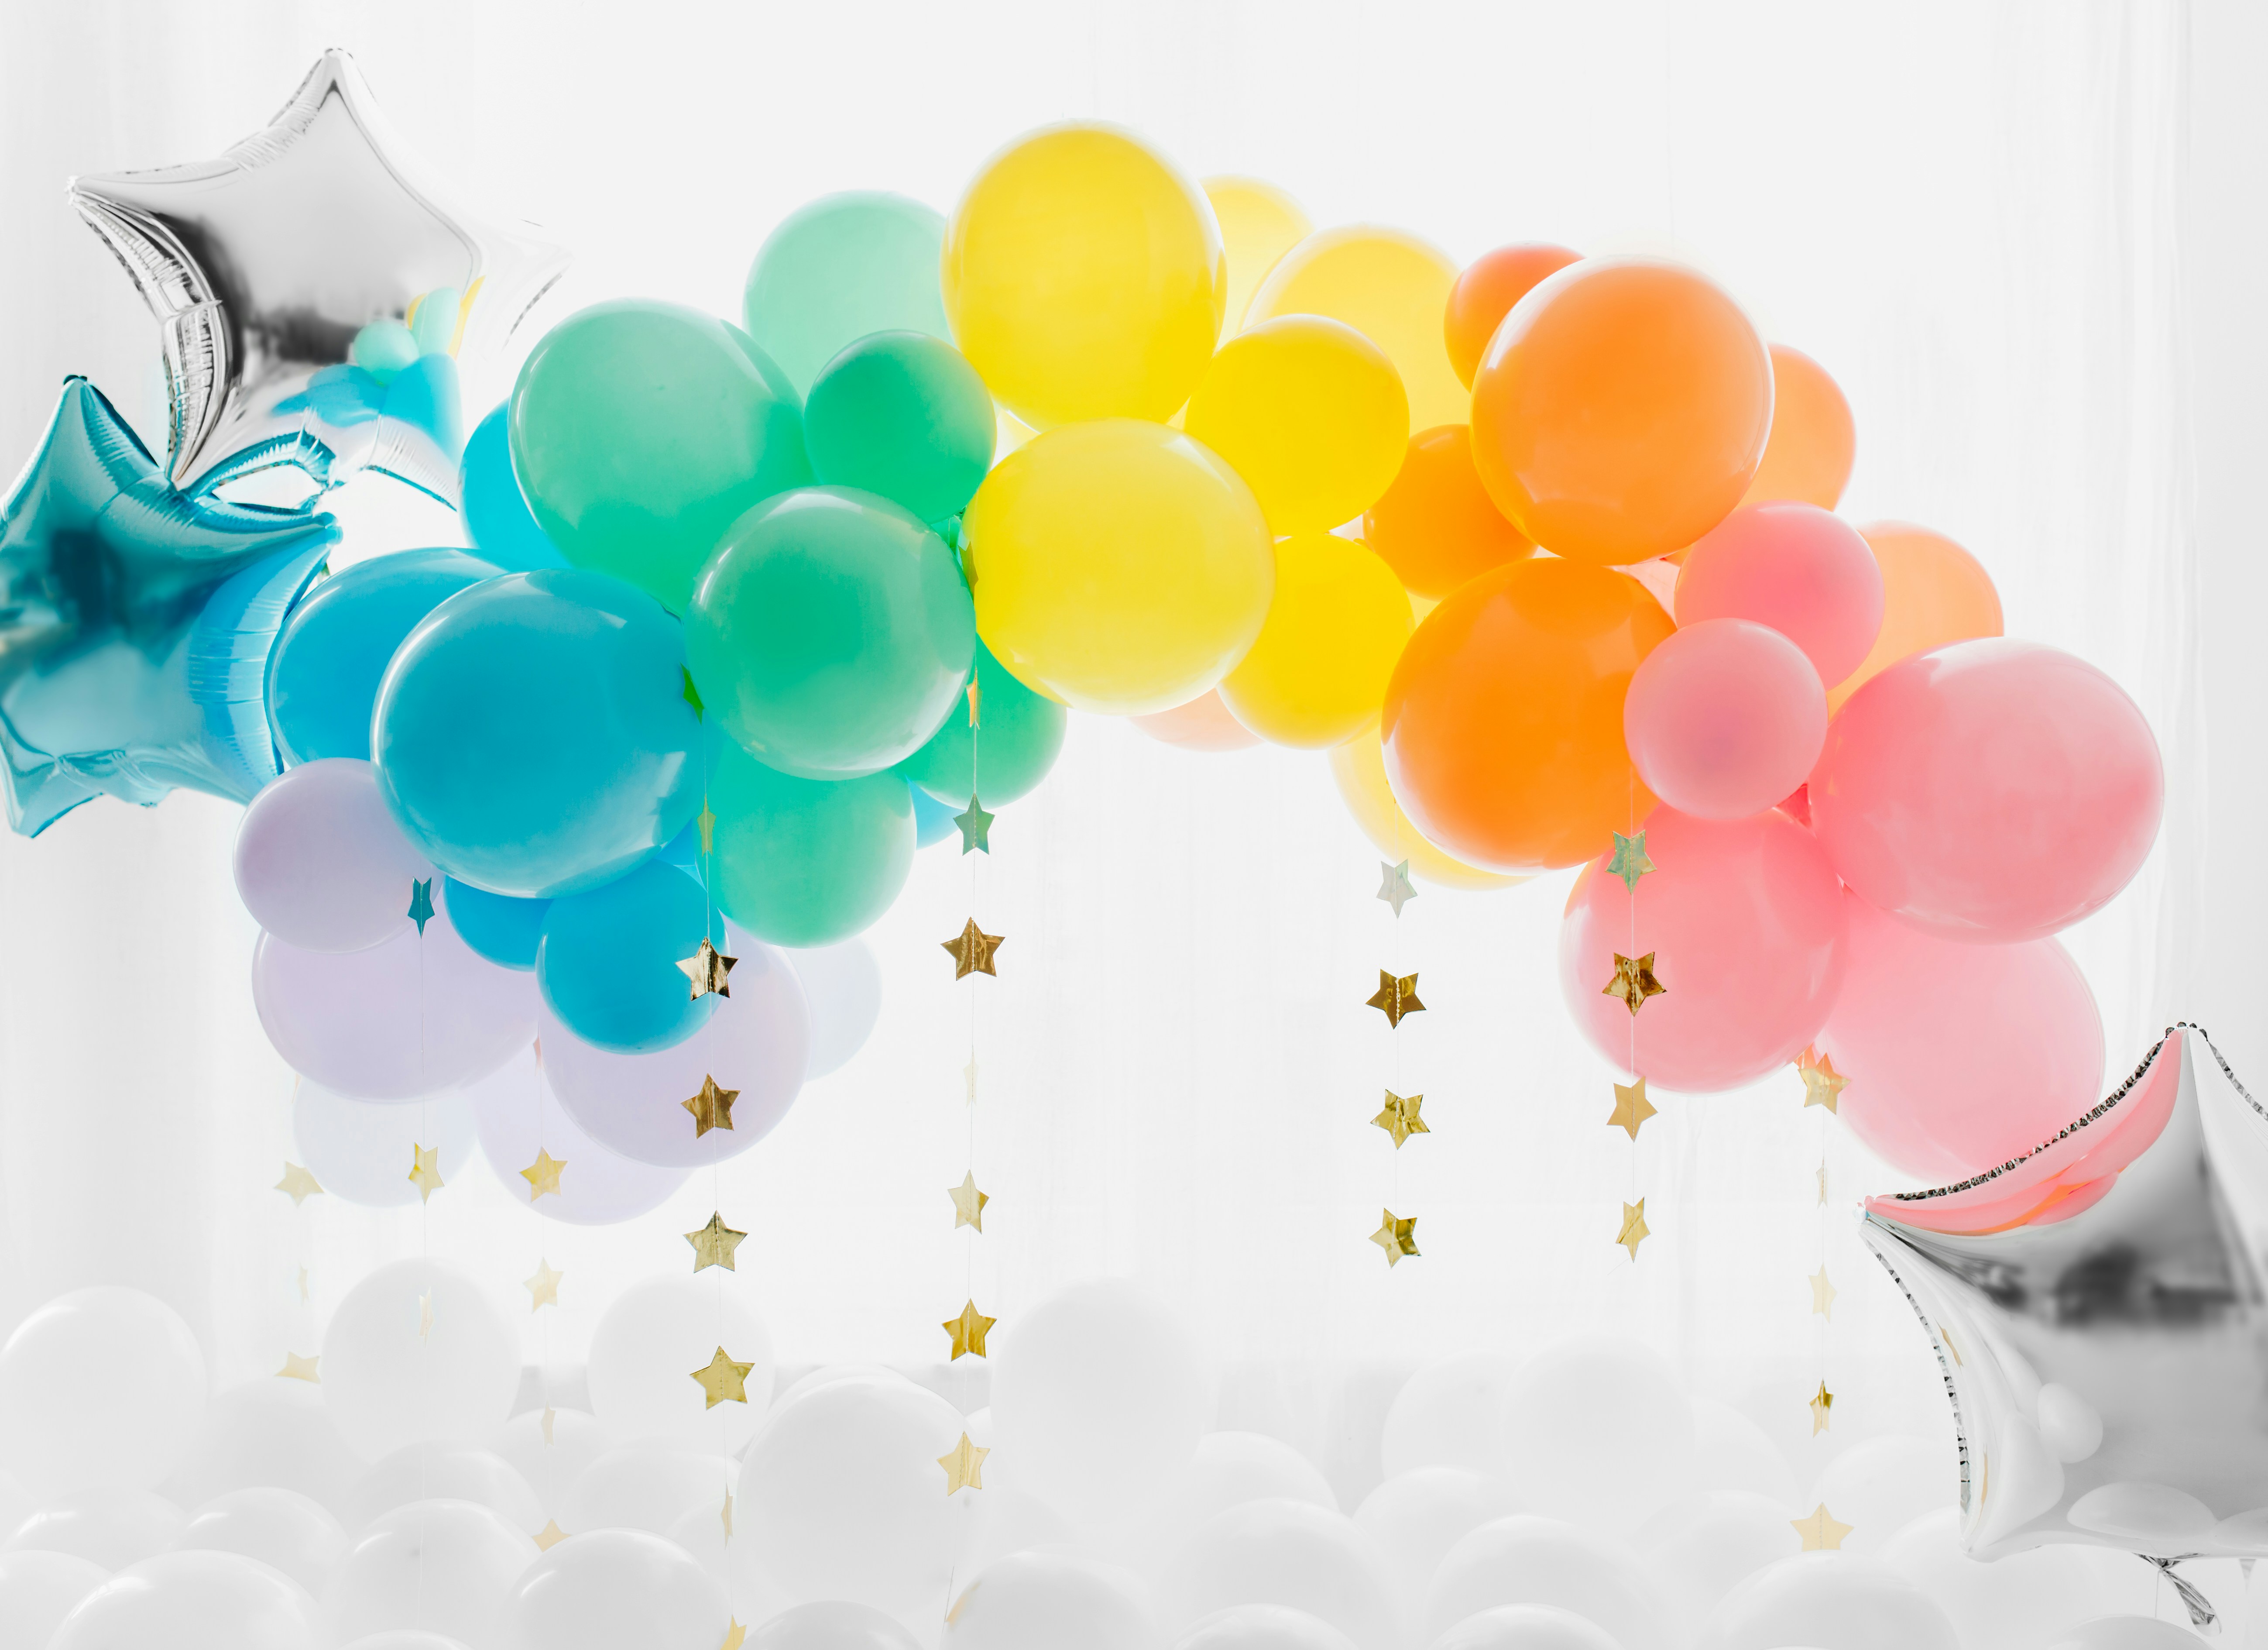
(2126,1632)
(832,1624)
(1525,1560)
(281,1528)
(320,861)
(1052,1601)
(193,1600)
(1526,1627)
(112,1528)
(648,1344)
(16,1503)
(2023,1602)
(1002,1521)
(843,985)
(38,1589)
(550,1464)
(363,1151)
(1700,1547)
(1262,1627)
(1286,1552)
(419,1350)
(1450,1414)
(406,1639)
(443,1472)
(102,1386)
(843,1496)
(446,1566)
(648,1488)
(616,1587)
(1880,1486)
(269,1431)
(1731,1452)
(1597,1431)
(1098,1394)
(1831,1601)
(1227,1469)
(1415,1517)
(517,1114)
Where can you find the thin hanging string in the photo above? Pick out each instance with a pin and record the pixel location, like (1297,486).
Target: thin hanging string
(705,836)
(424,1249)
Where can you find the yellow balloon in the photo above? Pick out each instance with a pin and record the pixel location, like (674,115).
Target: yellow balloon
(1118,566)
(1359,768)
(1335,629)
(1082,276)
(1259,223)
(1310,414)
(1392,288)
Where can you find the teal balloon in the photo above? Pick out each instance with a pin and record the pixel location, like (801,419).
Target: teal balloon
(905,416)
(932,820)
(607,964)
(1018,735)
(831,633)
(497,518)
(322,683)
(641,431)
(531,735)
(805,862)
(843,267)
(497,926)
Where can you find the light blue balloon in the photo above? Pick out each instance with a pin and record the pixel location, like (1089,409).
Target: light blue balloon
(323,680)
(607,964)
(497,926)
(497,517)
(932,819)
(532,736)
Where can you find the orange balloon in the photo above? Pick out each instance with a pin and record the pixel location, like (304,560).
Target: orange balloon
(1203,724)
(1813,440)
(1485,292)
(1359,770)
(1933,592)
(1621,411)
(1503,722)
(1437,527)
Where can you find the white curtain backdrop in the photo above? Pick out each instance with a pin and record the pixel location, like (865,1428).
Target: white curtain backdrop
(2024,237)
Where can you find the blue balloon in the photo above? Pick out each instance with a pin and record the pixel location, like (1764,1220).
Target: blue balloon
(684,850)
(932,819)
(532,736)
(334,649)
(607,964)
(496,925)
(496,515)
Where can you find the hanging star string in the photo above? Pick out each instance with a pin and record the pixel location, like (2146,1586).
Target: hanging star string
(709,969)
(1397,1238)
(298,1182)
(967,1203)
(1630,862)
(426,1171)
(1400,1118)
(1635,1231)
(1822,1083)
(1634,981)
(544,1287)
(542,1175)
(299,1368)
(722,1381)
(1631,1107)
(1820,1530)
(1820,1405)
(964,1466)
(713,1245)
(711,1108)
(1394,884)
(971,951)
(968,1331)
(1396,995)
(975,827)
(420,903)
(1822,1292)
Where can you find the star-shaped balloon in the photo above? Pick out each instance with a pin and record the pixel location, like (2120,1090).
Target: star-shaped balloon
(136,624)
(316,287)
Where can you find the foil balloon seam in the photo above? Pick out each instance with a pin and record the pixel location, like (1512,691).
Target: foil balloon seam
(1939,1344)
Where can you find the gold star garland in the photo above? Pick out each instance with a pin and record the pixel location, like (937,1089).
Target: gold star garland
(973,952)
(1633,983)
(1402,1115)
(1823,1087)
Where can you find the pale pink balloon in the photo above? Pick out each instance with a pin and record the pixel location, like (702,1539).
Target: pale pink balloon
(1990,791)
(395,1021)
(320,861)
(518,1116)
(1724,718)
(1745,922)
(1806,573)
(1959,1056)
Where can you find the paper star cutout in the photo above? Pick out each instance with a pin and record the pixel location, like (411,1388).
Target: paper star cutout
(549,1536)
(967,1203)
(420,903)
(1397,1238)
(299,1368)
(1820,1405)
(976,701)
(1822,1083)
(964,1466)
(1635,1230)
(723,1381)
(711,1108)
(1634,981)
(713,1245)
(968,1331)
(706,819)
(542,1175)
(1394,884)
(425,1173)
(1395,997)
(1401,1117)
(425,1316)
(975,826)
(972,950)
(710,969)
(692,695)
(1628,861)
(1820,1531)
(298,1182)
(735,1635)
(543,1288)
(1822,1293)
(1631,1107)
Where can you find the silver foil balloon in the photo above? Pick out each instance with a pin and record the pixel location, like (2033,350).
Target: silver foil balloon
(2099,1309)
(266,265)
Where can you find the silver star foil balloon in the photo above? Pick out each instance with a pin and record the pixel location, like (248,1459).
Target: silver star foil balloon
(315,287)
(2100,1310)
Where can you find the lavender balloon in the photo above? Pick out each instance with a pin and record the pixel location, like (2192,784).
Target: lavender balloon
(842,984)
(320,862)
(517,1114)
(362,1150)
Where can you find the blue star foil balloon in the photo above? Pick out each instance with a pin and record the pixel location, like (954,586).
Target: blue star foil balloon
(136,623)
(316,289)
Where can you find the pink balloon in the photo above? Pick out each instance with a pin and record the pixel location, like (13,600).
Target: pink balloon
(395,1021)
(1724,718)
(1959,1056)
(1990,791)
(1745,923)
(1806,573)
(518,1116)
(320,861)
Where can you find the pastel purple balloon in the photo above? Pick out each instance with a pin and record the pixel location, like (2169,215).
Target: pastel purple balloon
(399,1020)
(517,1114)
(320,862)
(1724,718)
(758,1041)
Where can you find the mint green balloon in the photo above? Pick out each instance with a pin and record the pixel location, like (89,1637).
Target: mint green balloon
(640,431)
(1009,751)
(903,415)
(843,267)
(805,862)
(830,633)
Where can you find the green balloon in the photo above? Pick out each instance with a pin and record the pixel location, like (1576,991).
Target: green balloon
(805,862)
(830,633)
(843,267)
(903,415)
(641,431)
(1008,753)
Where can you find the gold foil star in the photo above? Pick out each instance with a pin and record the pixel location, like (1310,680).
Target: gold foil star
(1634,1230)
(549,1536)
(544,1287)
(1400,1118)
(1394,884)
(975,827)
(710,970)
(420,903)
(1631,1107)
(1822,1083)
(723,1381)
(713,1245)
(968,1331)
(735,1635)
(1397,1238)
(1822,1292)
(707,820)
(1820,1405)
(711,1108)
(1633,982)
(964,1466)
(1820,1531)
(976,701)
(299,1368)
(1395,997)
(967,1203)
(972,950)
(1630,862)
(425,1173)
(298,1182)
(542,1175)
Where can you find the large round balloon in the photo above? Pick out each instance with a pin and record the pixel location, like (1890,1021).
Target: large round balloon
(1828,1598)
(518,1116)
(1291,1553)
(1621,411)
(320,861)
(1391,287)
(1026,1600)
(1435,525)
(1596,1429)
(1358,770)
(1933,592)
(1319,666)
(362,1151)
(612,962)
(98,1387)
(503,930)
(1724,718)
(497,517)
(1015,732)
(194,1601)
(1503,722)
(38,1589)
(1084,277)
(1259,223)
(1812,442)
(830,633)
(1485,290)
(1804,572)
(838,268)
(532,736)
(616,1586)
(1990,791)
(270,1430)
(905,416)
(417,1350)
(442,1562)
(805,862)
(651,1335)
(1119,566)
(641,429)
(1546,1562)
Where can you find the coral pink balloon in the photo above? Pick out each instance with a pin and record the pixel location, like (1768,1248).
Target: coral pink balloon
(1804,572)
(1746,926)
(1724,718)
(1991,790)
(320,861)
(1959,1056)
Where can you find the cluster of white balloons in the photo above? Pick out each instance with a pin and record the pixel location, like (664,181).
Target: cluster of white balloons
(1578,1500)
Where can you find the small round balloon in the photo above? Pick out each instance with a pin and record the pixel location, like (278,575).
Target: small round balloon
(1436,527)
(1724,718)
(1933,592)
(903,415)
(838,268)
(1020,732)
(497,516)
(419,1350)
(1809,455)
(1203,724)
(1390,287)
(320,863)
(805,862)
(1485,290)
(98,1387)
(1806,573)
(620,965)
(1259,223)
(1315,674)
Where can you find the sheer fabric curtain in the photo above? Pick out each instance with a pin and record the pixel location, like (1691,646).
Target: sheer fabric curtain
(1977,217)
